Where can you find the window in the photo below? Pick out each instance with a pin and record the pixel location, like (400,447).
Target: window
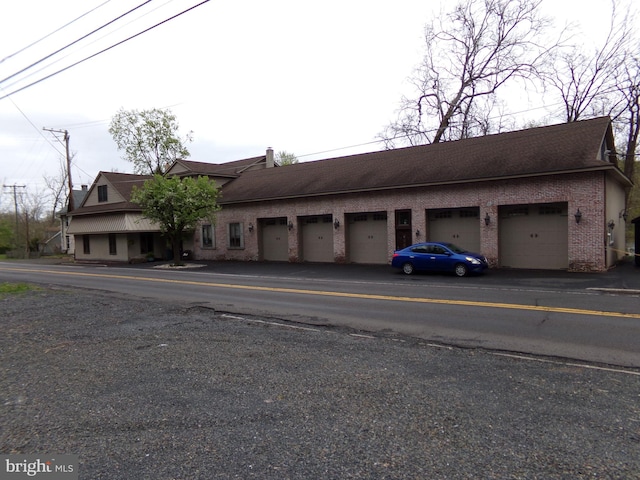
(86,244)
(102,193)
(207,236)
(550,210)
(518,212)
(113,249)
(403,218)
(469,213)
(442,214)
(235,235)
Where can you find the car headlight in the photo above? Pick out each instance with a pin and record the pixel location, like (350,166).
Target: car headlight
(475,261)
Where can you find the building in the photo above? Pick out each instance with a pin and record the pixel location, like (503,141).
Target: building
(67,241)
(548,197)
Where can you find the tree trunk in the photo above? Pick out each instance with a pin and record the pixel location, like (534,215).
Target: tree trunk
(175,244)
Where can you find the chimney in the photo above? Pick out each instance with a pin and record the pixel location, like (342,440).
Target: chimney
(270,162)
(84,188)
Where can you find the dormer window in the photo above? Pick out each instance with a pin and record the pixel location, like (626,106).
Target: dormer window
(102,193)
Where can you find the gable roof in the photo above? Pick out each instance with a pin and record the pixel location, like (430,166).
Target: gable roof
(563,148)
(229,169)
(122,183)
(78,198)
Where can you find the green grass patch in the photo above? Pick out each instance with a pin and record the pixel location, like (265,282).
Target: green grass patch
(8,288)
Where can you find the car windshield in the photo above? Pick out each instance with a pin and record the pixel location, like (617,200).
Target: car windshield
(454,248)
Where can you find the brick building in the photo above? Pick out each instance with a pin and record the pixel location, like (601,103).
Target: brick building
(548,197)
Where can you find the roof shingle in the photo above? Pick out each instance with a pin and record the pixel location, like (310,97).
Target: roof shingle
(542,150)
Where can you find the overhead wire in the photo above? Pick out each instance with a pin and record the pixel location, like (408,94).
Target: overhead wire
(103,50)
(54,32)
(74,42)
(8,95)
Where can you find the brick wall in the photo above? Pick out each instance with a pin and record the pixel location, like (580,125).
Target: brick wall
(584,191)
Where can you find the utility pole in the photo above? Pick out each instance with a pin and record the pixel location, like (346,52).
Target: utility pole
(15,203)
(66,141)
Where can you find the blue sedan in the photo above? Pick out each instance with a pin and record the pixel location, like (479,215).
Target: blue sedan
(438,257)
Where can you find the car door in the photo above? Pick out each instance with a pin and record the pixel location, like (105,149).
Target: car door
(419,257)
(440,259)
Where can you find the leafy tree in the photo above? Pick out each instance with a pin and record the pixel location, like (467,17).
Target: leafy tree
(471,52)
(149,139)
(286,158)
(7,227)
(176,204)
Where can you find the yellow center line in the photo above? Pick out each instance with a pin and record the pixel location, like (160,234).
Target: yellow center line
(467,303)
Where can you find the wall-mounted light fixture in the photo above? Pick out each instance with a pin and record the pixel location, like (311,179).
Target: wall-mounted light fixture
(290,225)
(623,215)
(250,227)
(611,225)
(417,233)
(336,224)
(578,216)
(487,219)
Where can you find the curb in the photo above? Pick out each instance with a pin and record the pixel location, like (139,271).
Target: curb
(624,291)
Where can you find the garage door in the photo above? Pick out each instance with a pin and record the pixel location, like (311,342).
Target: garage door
(275,236)
(460,226)
(317,238)
(367,237)
(534,236)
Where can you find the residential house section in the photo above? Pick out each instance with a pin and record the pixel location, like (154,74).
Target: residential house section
(67,241)
(546,198)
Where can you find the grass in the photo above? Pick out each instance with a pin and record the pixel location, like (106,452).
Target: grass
(10,288)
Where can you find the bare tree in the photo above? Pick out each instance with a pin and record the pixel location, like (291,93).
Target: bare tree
(32,207)
(471,53)
(57,186)
(585,81)
(605,81)
(627,121)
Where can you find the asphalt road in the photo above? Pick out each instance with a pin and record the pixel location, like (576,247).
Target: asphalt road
(157,389)
(578,316)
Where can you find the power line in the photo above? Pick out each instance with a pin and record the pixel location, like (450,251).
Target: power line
(15,203)
(104,50)
(55,31)
(74,42)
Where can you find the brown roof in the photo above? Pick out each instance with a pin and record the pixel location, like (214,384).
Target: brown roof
(229,169)
(567,147)
(123,183)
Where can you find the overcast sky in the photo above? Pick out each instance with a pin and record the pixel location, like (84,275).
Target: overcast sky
(243,75)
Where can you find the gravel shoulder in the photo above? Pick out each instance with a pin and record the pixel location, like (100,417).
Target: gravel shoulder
(151,390)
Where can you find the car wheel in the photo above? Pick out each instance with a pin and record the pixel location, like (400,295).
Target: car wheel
(461,269)
(407,268)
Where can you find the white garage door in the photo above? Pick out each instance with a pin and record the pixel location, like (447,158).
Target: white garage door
(317,238)
(460,226)
(534,236)
(367,237)
(275,236)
